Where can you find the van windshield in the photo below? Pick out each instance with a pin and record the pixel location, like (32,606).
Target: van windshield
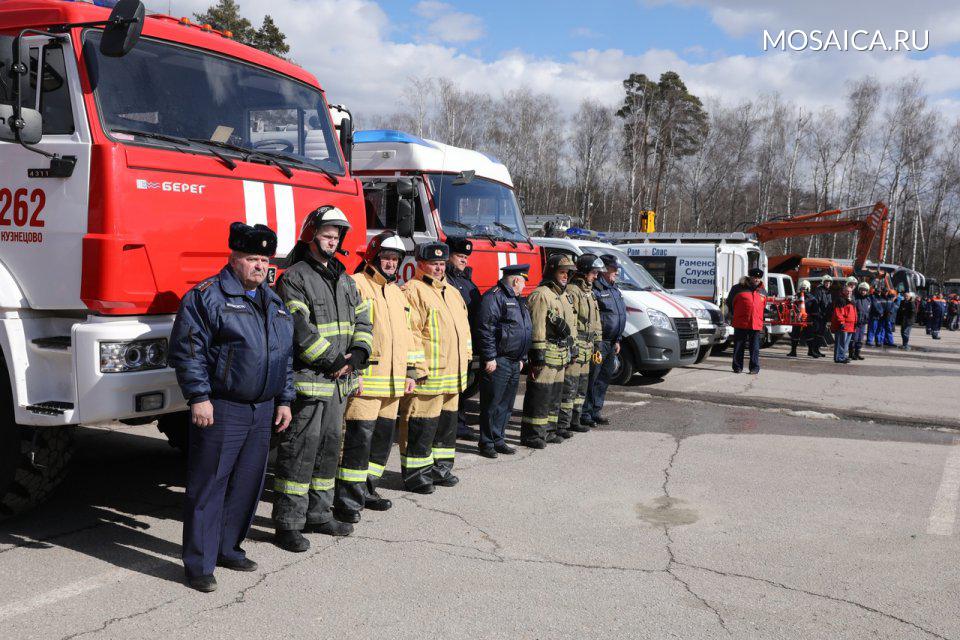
(631,276)
(478,208)
(168,90)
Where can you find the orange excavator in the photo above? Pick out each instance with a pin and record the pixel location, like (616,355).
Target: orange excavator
(868,228)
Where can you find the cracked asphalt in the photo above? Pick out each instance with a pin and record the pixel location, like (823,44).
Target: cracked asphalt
(682,519)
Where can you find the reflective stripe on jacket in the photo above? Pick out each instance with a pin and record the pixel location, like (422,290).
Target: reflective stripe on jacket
(329,320)
(441,329)
(589,330)
(547,303)
(394,356)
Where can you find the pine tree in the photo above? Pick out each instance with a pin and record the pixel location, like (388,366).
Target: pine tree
(269,38)
(225,16)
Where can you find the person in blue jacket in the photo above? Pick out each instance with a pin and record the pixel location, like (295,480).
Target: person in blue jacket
(891,307)
(504,333)
(876,315)
(613,320)
(232,349)
(936,310)
(862,302)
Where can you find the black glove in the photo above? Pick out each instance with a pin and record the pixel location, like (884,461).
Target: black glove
(561,329)
(336,365)
(358,358)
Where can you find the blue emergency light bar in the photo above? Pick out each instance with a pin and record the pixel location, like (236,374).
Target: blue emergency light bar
(109,4)
(388,135)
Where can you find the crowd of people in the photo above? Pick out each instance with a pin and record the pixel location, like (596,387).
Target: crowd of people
(848,314)
(334,367)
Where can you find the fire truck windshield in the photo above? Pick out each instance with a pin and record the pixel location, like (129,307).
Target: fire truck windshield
(170,90)
(479,207)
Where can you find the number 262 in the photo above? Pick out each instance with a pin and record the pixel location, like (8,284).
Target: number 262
(19,204)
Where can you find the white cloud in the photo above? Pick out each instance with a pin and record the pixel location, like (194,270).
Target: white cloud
(446,24)
(350,46)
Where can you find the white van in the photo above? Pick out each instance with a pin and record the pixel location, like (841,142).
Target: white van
(661,332)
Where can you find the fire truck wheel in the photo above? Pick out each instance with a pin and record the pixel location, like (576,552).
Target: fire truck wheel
(27,480)
(176,426)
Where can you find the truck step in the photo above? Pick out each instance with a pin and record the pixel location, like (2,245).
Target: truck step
(57,343)
(50,408)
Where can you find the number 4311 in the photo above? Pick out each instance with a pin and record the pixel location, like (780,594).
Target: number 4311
(21,207)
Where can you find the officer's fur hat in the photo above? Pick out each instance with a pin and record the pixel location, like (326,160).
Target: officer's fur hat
(258,239)
(460,245)
(430,251)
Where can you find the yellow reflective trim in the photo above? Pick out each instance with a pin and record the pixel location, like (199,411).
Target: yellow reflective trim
(416,463)
(364,337)
(295,305)
(315,350)
(321,484)
(314,388)
(352,475)
(434,340)
(537,422)
(375,470)
(443,453)
(290,487)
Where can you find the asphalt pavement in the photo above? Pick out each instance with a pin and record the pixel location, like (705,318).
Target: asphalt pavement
(812,501)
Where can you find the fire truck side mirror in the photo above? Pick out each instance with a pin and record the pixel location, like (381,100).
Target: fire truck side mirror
(123,28)
(346,139)
(405,188)
(29,124)
(405,218)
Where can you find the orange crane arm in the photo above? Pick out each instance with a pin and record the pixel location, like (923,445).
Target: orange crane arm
(814,224)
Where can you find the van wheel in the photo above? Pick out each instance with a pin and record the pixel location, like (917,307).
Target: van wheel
(655,373)
(622,369)
(704,352)
(33,460)
(176,426)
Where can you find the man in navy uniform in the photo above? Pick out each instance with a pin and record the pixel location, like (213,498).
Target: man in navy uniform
(460,275)
(231,347)
(613,320)
(504,334)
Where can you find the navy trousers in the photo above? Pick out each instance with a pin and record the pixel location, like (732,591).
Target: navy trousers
(742,338)
(225,469)
(498,391)
(600,375)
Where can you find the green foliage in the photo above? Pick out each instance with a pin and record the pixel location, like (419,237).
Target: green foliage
(225,16)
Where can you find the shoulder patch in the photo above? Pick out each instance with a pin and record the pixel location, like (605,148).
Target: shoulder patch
(203,286)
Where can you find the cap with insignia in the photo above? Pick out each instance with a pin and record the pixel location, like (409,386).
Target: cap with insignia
(610,261)
(258,240)
(755,273)
(430,251)
(460,245)
(516,270)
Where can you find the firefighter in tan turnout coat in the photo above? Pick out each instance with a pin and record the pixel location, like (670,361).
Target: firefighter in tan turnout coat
(587,335)
(396,362)
(428,418)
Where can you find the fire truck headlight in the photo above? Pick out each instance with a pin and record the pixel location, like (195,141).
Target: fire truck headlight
(136,355)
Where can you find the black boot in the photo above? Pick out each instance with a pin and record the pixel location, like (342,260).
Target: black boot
(291,540)
(793,350)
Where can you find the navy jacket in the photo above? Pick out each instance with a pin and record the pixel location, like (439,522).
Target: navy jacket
(876,306)
(613,310)
(863,303)
(225,345)
(504,328)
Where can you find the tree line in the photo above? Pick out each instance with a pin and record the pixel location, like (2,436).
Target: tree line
(716,166)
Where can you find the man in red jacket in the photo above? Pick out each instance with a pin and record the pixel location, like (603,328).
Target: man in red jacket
(747,300)
(843,324)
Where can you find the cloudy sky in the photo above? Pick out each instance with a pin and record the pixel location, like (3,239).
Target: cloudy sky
(363,50)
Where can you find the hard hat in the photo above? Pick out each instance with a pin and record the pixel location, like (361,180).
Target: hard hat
(805,285)
(851,280)
(589,262)
(327,215)
(559,261)
(827,278)
(864,286)
(384,241)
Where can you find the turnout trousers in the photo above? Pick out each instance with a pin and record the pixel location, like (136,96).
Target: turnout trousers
(575,380)
(226,464)
(598,382)
(498,392)
(428,438)
(541,405)
(307,458)
(367,440)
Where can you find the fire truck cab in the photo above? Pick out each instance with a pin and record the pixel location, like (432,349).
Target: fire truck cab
(120,173)
(425,190)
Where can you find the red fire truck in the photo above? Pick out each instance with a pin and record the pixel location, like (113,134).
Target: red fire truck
(124,156)
(427,190)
